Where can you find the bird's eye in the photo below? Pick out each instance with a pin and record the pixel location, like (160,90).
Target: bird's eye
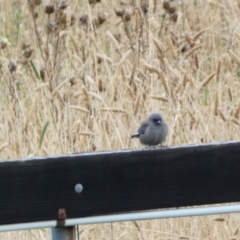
(157,121)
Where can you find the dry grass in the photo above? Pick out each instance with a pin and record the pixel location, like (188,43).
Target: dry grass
(94,76)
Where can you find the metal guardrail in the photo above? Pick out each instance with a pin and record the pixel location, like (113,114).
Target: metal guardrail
(65,191)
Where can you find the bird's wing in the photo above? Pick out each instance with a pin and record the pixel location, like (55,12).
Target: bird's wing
(141,129)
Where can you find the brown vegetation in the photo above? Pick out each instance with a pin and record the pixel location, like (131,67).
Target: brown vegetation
(81,75)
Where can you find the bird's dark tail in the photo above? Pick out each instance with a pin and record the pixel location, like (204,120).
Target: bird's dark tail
(136,135)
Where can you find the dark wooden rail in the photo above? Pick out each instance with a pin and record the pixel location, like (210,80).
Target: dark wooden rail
(119,182)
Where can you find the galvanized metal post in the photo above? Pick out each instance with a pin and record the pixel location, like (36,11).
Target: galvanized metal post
(63,233)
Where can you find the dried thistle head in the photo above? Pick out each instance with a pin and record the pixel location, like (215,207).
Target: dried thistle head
(3,43)
(72,81)
(99,60)
(35,15)
(63,18)
(37,2)
(101,85)
(42,73)
(84,19)
(144,7)
(49,8)
(166,5)
(128,15)
(33,3)
(27,53)
(184,48)
(26,45)
(12,66)
(102,17)
(119,10)
(171,9)
(62,4)
(51,27)
(174,17)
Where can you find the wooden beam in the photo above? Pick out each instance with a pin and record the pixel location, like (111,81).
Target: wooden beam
(118,182)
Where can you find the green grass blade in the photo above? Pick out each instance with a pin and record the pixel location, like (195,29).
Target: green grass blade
(238,72)
(206,92)
(43,134)
(34,69)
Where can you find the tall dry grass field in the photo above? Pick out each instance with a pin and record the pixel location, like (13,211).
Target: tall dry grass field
(81,75)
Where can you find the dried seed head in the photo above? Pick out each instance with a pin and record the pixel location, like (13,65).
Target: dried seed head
(102,17)
(101,87)
(3,43)
(49,8)
(35,15)
(63,18)
(127,16)
(171,9)
(27,52)
(26,45)
(42,73)
(84,19)
(51,27)
(174,17)
(37,2)
(184,48)
(91,1)
(166,4)
(119,10)
(144,7)
(99,60)
(72,81)
(12,66)
(62,4)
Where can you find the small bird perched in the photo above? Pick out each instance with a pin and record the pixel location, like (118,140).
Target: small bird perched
(152,131)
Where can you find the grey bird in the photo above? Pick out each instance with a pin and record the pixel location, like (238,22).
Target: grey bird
(152,131)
